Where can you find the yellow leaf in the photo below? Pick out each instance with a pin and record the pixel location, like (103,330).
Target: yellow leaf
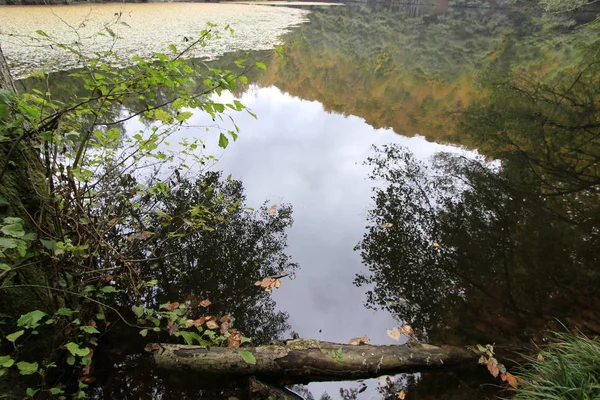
(407,330)
(394,334)
(402,395)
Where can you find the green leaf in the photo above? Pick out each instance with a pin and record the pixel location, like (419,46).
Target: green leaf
(247,356)
(109,289)
(6,361)
(26,368)
(243,79)
(65,312)
(42,33)
(89,329)
(31,392)
(14,336)
(5,267)
(223,141)
(31,319)
(144,332)
(138,310)
(190,336)
(55,390)
(14,230)
(260,65)
(7,243)
(76,350)
(70,360)
(49,244)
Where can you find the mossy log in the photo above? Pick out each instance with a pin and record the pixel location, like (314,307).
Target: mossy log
(307,360)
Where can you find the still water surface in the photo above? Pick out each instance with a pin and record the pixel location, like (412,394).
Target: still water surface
(468,238)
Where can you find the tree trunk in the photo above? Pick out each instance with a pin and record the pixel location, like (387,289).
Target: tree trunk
(6,81)
(307,360)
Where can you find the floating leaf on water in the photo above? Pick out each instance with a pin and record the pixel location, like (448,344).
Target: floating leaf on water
(273,209)
(394,333)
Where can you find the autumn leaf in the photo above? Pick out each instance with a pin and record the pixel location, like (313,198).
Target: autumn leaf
(359,340)
(402,395)
(394,333)
(172,306)
(112,222)
(225,318)
(407,330)
(512,380)
(205,303)
(235,339)
(212,325)
(386,225)
(436,244)
(189,323)
(492,366)
(224,327)
(540,357)
(273,209)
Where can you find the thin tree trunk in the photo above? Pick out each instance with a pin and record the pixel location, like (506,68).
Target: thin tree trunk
(6,81)
(304,360)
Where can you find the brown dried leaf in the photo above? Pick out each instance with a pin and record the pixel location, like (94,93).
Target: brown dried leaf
(407,330)
(200,321)
(172,306)
(225,318)
(402,395)
(211,318)
(212,325)
(234,339)
(93,323)
(232,398)
(492,366)
(277,283)
(386,225)
(189,323)
(394,333)
(359,340)
(512,380)
(224,327)
(273,209)
(436,244)
(112,222)
(205,303)
(540,357)
(503,377)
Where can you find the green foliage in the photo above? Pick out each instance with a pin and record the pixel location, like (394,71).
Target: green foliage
(567,368)
(337,355)
(106,202)
(247,356)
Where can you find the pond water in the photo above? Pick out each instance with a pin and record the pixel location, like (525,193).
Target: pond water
(481,222)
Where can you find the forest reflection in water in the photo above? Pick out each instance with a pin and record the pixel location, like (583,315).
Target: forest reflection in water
(478,251)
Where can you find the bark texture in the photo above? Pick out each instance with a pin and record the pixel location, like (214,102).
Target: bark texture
(6,81)
(307,360)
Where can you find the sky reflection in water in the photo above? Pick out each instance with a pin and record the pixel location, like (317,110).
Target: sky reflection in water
(297,153)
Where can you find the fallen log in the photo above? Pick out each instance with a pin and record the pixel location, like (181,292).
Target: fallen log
(308,360)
